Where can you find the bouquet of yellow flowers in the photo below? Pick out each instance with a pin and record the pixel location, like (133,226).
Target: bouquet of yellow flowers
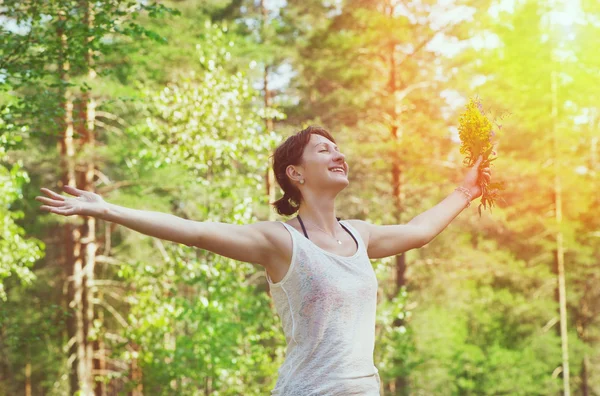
(476,132)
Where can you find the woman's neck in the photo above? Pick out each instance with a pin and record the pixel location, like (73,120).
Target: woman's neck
(321,215)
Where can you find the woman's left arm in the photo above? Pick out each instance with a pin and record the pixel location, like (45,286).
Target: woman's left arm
(436,219)
(390,240)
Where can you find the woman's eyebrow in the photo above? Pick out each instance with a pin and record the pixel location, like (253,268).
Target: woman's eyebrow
(326,145)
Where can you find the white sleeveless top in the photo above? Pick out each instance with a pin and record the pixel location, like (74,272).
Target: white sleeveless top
(327,304)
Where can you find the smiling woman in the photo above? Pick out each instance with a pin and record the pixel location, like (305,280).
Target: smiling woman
(292,154)
(323,285)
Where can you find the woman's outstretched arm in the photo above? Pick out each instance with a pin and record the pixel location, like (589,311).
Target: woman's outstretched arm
(156,224)
(160,225)
(436,219)
(253,243)
(391,240)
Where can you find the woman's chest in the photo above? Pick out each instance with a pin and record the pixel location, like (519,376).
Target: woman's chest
(340,276)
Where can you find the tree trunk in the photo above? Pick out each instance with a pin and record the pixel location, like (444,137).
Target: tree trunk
(70,231)
(28,379)
(6,373)
(400,385)
(583,319)
(559,257)
(594,125)
(76,328)
(79,241)
(99,358)
(585,389)
(269,175)
(86,178)
(72,247)
(135,373)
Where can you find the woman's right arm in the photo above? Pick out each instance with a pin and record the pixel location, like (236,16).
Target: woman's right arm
(250,243)
(258,243)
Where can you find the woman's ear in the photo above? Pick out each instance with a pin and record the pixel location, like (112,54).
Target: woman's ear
(293,173)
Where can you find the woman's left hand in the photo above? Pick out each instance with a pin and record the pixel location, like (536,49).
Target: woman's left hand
(474,177)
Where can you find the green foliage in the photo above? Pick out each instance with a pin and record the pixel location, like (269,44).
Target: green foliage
(48,47)
(395,350)
(202,319)
(203,324)
(208,120)
(180,129)
(17,252)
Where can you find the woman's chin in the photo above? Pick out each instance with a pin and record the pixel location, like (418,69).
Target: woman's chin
(342,181)
(338,176)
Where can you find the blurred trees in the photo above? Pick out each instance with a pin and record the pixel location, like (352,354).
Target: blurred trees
(180,113)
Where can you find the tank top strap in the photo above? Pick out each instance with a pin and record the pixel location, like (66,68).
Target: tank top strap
(338,219)
(349,232)
(303,229)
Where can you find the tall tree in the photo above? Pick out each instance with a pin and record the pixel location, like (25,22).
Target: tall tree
(546,95)
(52,52)
(205,324)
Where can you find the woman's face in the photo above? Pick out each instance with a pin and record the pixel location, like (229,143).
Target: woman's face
(323,166)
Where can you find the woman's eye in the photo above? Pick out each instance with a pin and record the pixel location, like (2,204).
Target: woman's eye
(324,150)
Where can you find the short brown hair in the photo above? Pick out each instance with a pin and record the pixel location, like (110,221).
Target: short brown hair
(290,153)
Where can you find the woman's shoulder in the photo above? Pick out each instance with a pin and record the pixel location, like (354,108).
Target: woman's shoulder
(278,262)
(275,233)
(362,227)
(274,227)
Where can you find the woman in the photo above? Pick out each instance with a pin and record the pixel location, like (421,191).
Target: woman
(322,282)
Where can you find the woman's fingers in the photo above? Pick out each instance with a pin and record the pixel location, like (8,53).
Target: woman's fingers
(49,201)
(50,209)
(65,212)
(61,211)
(52,194)
(73,191)
(486,173)
(82,203)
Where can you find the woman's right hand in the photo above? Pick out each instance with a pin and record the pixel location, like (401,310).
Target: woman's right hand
(85,203)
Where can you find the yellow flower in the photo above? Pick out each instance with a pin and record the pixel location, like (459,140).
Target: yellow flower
(475,132)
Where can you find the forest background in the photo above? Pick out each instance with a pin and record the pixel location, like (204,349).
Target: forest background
(176,107)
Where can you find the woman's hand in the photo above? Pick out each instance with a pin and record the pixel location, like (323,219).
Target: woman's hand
(85,203)
(475,177)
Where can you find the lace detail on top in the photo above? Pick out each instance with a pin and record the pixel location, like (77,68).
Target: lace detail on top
(327,304)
